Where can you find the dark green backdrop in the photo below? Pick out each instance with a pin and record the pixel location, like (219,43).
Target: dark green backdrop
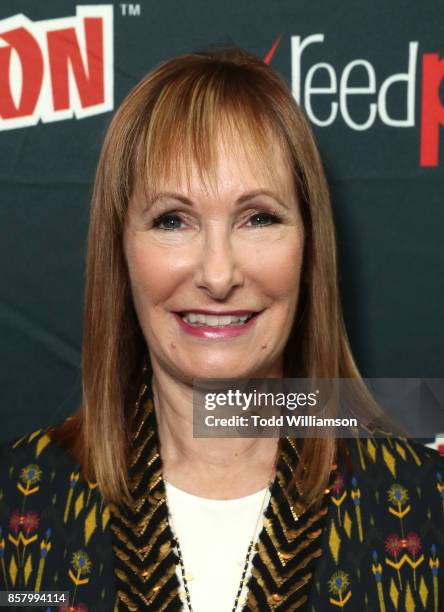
(388,207)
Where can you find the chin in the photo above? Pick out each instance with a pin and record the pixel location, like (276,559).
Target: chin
(216,371)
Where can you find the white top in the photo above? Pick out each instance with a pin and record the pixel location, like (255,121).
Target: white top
(214,536)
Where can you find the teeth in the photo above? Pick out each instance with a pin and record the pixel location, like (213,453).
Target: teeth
(212,320)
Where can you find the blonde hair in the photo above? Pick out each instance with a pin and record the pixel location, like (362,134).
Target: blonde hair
(170,119)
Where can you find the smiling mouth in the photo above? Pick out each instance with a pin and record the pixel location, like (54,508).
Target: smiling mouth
(216,321)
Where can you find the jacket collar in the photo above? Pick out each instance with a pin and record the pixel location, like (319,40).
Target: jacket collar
(145,560)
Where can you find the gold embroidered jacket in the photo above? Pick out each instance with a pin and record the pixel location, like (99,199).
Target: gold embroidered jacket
(375,545)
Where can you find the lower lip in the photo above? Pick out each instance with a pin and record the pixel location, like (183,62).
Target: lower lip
(220,332)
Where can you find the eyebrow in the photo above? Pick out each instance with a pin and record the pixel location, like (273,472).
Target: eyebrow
(240,200)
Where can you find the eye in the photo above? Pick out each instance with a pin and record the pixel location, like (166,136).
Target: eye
(172,221)
(270,217)
(169,219)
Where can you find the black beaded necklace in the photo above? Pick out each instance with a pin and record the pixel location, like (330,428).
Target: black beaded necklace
(247,558)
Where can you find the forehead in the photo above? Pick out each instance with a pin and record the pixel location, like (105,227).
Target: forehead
(237,165)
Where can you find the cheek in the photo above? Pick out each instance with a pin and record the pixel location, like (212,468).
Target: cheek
(153,274)
(277,268)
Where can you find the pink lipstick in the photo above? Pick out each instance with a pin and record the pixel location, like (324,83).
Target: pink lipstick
(218,332)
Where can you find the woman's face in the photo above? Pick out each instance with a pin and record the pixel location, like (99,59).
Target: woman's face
(234,250)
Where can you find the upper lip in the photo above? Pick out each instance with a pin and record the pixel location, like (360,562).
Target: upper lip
(219,313)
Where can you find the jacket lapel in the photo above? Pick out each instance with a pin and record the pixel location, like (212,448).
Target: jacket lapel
(145,561)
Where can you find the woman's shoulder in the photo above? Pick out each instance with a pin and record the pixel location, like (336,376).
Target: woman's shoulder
(385,528)
(36,461)
(393,464)
(38,446)
(55,516)
(395,455)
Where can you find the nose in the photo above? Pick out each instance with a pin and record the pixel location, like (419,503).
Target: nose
(218,270)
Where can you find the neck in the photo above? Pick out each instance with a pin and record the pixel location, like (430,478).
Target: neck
(216,468)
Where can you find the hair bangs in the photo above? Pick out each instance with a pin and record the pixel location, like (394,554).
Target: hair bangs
(192,118)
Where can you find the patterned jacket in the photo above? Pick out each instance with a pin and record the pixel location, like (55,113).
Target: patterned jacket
(376,544)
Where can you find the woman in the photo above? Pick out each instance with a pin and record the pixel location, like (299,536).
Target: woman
(211,254)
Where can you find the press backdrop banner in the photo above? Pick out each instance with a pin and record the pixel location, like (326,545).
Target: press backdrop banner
(370,77)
